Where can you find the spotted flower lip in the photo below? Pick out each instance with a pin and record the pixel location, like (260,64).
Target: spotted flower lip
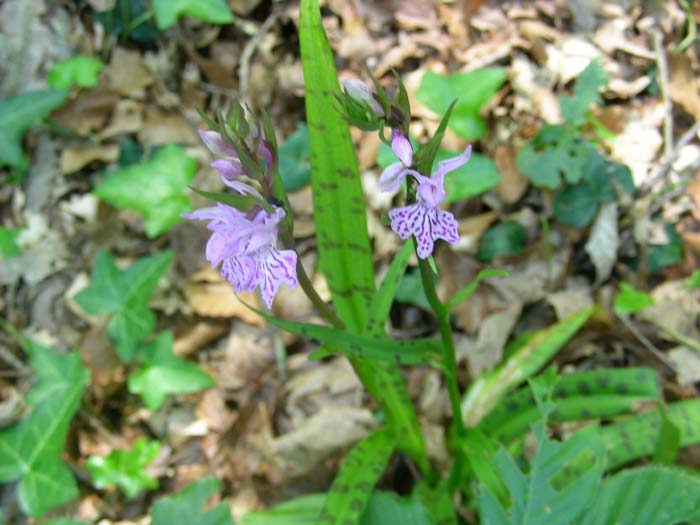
(424,219)
(245,247)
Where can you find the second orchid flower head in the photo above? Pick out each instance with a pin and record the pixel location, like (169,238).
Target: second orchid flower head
(422,219)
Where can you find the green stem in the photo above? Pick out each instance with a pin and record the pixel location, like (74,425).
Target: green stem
(448,346)
(323,309)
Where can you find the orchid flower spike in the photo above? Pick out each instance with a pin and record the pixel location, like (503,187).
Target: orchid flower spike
(246,247)
(423,218)
(228,165)
(359,92)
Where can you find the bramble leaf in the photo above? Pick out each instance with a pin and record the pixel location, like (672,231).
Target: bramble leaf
(163,373)
(574,108)
(124,294)
(153,188)
(125,468)
(8,242)
(185,507)
(30,451)
(630,300)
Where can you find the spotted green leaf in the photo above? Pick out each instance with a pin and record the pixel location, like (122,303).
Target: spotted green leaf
(490,388)
(348,496)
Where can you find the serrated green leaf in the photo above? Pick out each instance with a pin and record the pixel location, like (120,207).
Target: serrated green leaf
(575,206)
(354,483)
(8,242)
(124,294)
(185,507)
(503,239)
(163,373)
(577,397)
(294,159)
(78,71)
(211,11)
(30,451)
(153,188)
(125,468)
(658,495)
(472,91)
(540,497)
(490,388)
(17,115)
(590,80)
(631,301)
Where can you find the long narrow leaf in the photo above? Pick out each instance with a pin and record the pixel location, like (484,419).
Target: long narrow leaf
(354,484)
(488,389)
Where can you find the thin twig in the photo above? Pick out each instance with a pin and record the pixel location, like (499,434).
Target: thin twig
(662,64)
(658,354)
(249,50)
(668,160)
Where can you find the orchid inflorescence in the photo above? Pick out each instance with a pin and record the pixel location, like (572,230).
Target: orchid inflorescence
(244,238)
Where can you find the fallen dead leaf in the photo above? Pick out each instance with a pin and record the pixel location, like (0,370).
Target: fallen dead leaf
(197,337)
(683,87)
(75,158)
(87,112)
(513,183)
(127,74)
(161,127)
(126,118)
(210,296)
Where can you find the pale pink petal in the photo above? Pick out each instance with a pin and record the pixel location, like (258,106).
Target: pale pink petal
(430,191)
(401,147)
(216,144)
(241,187)
(392,176)
(229,169)
(452,164)
(358,91)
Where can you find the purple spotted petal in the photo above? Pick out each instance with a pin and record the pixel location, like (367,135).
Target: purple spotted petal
(401,147)
(452,164)
(276,267)
(216,144)
(229,169)
(241,273)
(426,224)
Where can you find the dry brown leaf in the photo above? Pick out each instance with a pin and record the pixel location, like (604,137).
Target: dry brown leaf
(87,112)
(693,190)
(211,296)
(161,127)
(126,118)
(75,158)
(411,15)
(513,183)
(197,337)
(471,228)
(127,74)
(674,308)
(404,49)
(683,85)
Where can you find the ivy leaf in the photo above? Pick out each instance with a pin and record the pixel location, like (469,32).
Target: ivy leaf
(130,19)
(553,153)
(663,255)
(19,113)
(125,468)
(574,108)
(575,206)
(163,373)
(79,70)
(30,451)
(8,242)
(472,91)
(294,159)
(212,11)
(153,188)
(630,300)
(124,294)
(505,238)
(185,507)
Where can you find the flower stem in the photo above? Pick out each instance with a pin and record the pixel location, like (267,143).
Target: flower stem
(448,346)
(323,309)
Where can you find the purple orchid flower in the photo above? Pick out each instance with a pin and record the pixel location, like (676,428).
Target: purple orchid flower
(245,246)
(391,177)
(423,218)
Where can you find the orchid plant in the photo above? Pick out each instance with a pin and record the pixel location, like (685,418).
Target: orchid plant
(252,243)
